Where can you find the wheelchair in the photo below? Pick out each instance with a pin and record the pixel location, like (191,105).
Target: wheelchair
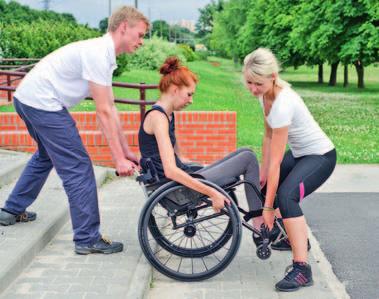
(184,238)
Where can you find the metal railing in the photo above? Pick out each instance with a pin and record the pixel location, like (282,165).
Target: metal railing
(142,95)
(20,71)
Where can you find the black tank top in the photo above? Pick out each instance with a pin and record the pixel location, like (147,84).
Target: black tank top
(149,147)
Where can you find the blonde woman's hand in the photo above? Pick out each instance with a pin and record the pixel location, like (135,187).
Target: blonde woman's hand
(268,218)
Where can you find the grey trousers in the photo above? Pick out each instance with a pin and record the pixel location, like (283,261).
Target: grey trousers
(241,162)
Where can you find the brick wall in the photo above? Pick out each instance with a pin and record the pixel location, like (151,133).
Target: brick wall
(202,136)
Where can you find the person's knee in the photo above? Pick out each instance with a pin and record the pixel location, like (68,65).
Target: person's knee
(246,152)
(244,149)
(288,204)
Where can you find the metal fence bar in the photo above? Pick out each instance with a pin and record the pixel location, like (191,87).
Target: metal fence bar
(9,93)
(142,87)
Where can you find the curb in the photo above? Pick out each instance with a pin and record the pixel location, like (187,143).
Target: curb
(13,167)
(336,286)
(142,277)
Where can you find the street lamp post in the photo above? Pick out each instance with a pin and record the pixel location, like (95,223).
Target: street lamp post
(136,3)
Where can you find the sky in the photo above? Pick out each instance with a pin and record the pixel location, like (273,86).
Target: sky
(92,11)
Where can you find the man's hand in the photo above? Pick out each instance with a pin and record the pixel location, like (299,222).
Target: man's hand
(133,158)
(125,167)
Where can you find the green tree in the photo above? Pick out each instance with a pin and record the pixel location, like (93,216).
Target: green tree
(227,27)
(361,45)
(103,25)
(13,12)
(269,24)
(205,23)
(161,28)
(338,31)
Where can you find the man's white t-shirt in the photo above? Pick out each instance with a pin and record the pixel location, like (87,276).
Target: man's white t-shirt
(61,78)
(305,137)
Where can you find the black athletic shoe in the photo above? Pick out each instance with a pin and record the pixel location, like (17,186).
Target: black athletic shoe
(284,245)
(104,246)
(297,275)
(7,218)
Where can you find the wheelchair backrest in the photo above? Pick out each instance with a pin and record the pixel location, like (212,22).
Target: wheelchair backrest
(149,173)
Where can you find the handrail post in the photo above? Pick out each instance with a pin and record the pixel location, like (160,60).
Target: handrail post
(142,92)
(9,92)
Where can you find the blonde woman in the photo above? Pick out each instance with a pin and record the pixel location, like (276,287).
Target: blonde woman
(290,175)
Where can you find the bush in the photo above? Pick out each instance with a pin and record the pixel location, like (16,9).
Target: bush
(122,64)
(187,52)
(153,54)
(24,40)
(202,55)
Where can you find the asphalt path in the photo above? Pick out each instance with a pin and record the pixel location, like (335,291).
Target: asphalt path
(347,227)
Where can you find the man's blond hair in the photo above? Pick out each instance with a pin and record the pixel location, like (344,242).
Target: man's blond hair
(128,14)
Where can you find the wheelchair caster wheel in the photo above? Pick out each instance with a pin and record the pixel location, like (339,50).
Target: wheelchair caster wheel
(263,252)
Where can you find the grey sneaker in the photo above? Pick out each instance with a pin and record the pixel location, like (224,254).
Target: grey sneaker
(104,246)
(7,218)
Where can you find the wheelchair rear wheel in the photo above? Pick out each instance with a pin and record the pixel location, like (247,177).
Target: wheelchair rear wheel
(188,242)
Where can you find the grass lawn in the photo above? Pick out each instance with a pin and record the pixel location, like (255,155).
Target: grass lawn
(350,116)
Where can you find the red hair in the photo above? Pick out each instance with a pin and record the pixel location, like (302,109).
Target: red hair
(173,73)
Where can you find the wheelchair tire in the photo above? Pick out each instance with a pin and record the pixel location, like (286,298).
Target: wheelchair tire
(183,259)
(198,252)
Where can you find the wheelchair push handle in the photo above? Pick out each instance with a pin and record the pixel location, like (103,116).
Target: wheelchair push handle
(136,172)
(149,173)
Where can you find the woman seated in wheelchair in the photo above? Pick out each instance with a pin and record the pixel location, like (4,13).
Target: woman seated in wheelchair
(157,142)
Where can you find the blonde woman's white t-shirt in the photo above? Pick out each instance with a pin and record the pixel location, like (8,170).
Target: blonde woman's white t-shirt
(305,137)
(61,78)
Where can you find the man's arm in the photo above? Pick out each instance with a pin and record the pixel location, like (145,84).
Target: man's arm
(110,126)
(124,144)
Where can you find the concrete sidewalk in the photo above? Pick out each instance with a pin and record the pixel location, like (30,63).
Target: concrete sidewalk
(40,254)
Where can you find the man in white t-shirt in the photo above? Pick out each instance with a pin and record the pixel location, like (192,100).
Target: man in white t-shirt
(59,81)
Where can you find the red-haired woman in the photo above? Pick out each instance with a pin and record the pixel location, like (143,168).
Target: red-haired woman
(157,141)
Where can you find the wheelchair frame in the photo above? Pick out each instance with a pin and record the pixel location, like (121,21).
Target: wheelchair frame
(173,198)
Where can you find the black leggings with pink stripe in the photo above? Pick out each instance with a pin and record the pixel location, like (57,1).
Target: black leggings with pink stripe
(299,177)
